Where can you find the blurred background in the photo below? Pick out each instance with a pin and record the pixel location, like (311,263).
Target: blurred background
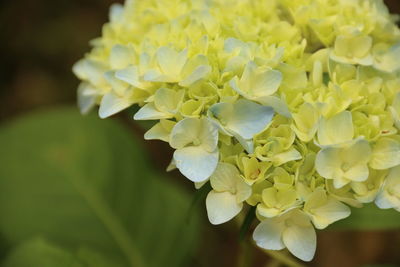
(49,218)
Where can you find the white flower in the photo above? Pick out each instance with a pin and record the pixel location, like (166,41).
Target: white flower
(389,195)
(292,230)
(225,201)
(242,119)
(324,209)
(195,141)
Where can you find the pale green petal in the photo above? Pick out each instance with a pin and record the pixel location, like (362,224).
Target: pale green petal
(234,83)
(266,83)
(116,12)
(243,190)
(149,112)
(208,135)
(112,104)
(277,104)
(301,241)
(384,200)
(198,74)
(121,56)
(332,211)
(160,131)
(336,130)
(340,181)
(130,75)
(385,153)
(185,132)
(357,173)
(328,161)
(389,195)
(91,71)
(86,102)
(248,145)
(222,207)
(290,155)
(170,61)
(246,117)
(356,152)
(196,163)
(224,178)
(168,101)
(268,234)
(156,76)
(117,85)
(387,58)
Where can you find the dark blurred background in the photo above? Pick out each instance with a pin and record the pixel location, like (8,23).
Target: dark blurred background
(42,39)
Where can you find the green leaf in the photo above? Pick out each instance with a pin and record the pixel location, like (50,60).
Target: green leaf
(369,217)
(39,253)
(82,181)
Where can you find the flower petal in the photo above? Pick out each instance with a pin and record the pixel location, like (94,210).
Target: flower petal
(268,234)
(86,101)
(112,104)
(121,56)
(224,177)
(336,130)
(301,241)
(196,163)
(277,104)
(222,207)
(130,75)
(385,153)
(149,112)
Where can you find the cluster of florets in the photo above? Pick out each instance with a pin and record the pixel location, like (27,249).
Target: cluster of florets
(292,107)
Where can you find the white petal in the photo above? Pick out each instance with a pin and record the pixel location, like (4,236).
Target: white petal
(268,234)
(198,74)
(117,85)
(224,177)
(116,12)
(153,76)
(383,200)
(149,112)
(248,145)
(121,56)
(249,118)
(130,75)
(157,132)
(301,241)
(331,212)
(112,104)
(336,130)
(92,71)
(266,83)
(85,101)
(196,163)
(244,118)
(170,61)
(222,207)
(277,104)
(185,132)
(208,134)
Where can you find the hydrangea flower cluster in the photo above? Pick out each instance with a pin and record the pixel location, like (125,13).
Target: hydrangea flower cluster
(292,107)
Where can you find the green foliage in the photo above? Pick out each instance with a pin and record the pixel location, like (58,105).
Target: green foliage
(86,183)
(40,253)
(369,217)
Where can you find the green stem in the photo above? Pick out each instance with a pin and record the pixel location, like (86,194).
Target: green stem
(110,221)
(283,258)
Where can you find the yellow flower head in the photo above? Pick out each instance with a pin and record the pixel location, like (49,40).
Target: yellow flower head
(292,107)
